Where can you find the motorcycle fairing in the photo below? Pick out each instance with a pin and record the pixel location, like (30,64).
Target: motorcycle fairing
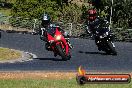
(62,41)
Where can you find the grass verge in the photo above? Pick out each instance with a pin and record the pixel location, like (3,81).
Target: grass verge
(8,54)
(48,80)
(58,83)
(9,27)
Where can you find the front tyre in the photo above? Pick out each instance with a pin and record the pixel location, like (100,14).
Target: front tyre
(62,53)
(0,34)
(111,48)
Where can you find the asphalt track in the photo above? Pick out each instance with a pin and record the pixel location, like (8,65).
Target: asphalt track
(84,53)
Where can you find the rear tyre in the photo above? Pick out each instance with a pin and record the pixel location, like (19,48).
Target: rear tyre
(62,53)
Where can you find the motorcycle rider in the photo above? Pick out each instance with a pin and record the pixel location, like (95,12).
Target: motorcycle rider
(49,27)
(94,24)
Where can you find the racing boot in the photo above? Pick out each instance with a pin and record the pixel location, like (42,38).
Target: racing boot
(41,37)
(55,54)
(98,44)
(47,47)
(99,48)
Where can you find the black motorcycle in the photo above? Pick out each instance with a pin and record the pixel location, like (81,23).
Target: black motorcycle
(104,40)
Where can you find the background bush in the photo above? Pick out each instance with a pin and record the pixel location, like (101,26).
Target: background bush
(68,12)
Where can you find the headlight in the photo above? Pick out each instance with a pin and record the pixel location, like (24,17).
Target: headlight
(58,37)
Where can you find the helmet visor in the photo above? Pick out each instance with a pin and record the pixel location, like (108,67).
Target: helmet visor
(45,22)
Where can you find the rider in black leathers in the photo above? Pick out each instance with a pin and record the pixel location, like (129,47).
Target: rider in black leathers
(95,24)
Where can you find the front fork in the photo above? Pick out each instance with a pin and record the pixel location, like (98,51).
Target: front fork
(68,42)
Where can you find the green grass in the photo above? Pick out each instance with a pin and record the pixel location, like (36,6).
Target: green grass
(29,83)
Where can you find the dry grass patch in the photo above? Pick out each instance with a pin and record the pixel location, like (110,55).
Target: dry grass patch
(42,75)
(37,75)
(8,54)
(9,27)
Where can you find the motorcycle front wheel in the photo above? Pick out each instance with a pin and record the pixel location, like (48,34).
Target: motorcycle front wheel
(111,48)
(62,53)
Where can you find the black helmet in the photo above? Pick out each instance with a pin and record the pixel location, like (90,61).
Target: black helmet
(45,20)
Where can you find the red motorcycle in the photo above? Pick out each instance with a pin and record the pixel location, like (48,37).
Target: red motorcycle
(58,43)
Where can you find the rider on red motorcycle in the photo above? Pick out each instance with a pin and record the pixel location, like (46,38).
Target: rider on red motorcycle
(46,23)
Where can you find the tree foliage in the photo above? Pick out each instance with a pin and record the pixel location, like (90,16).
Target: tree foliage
(64,11)
(34,8)
(122,11)
(57,9)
